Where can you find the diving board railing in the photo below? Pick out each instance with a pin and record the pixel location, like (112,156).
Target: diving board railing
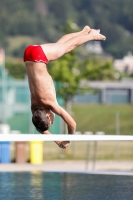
(64,137)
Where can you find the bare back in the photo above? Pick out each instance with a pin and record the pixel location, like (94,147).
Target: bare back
(41,85)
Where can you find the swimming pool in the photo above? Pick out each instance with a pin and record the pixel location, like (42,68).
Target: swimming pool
(37,185)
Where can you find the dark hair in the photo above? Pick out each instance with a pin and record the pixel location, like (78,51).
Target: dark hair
(40,120)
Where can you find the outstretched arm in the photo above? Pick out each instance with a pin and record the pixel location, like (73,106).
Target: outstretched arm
(61,144)
(71,124)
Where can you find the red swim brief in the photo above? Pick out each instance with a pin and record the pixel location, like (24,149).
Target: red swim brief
(35,53)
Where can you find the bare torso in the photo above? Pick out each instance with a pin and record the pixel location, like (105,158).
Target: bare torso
(41,85)
(43,95)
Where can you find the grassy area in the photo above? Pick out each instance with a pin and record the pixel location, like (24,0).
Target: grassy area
(78,150)
(103,118)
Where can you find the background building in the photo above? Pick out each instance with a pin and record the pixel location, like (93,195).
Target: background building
(125,64)
(108,93)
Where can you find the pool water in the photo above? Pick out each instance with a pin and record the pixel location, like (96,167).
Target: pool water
(38,185)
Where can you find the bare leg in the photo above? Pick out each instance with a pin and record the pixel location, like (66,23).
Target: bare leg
(67,37)
(81,39)
(56,50)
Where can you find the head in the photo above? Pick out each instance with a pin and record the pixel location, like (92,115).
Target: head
(42,119)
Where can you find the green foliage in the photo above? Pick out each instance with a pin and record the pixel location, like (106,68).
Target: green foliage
(97,69)
(62,72)
(68,72)
(16,69)
(44,18)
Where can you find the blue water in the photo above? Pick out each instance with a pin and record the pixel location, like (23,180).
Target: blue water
(64,186)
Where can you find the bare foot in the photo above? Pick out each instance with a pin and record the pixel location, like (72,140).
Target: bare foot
(62,144)
(95,35)
(86,29)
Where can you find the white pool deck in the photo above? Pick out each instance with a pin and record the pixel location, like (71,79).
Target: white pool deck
(109,167)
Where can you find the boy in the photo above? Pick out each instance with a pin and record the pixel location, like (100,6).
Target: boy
(43,96)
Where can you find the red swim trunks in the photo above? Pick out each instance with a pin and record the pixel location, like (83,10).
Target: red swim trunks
(35,53)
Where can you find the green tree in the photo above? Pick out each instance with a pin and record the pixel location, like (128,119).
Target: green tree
(38,18)
(97,69)
(69,72)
